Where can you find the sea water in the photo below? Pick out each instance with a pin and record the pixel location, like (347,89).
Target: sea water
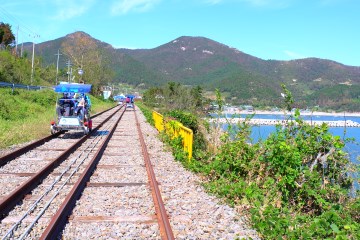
(261,132)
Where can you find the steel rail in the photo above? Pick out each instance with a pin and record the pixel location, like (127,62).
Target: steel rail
(60,218)
(11,156)
(163,219)
(16,195)
(90,147)
(67,180)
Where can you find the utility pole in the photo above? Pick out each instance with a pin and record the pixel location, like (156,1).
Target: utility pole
(22,46)
(32,62)
(69,72)
(17,40)
(82,68)
(57,66)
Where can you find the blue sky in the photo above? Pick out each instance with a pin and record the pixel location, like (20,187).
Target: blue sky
(268,29)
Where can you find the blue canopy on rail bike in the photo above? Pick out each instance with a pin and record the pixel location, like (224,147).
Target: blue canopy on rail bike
(73,88)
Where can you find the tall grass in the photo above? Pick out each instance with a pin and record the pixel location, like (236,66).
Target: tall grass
(26,115)
(24,130)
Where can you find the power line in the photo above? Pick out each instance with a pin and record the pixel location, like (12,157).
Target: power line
(17,21)
(28,31)
(23,28)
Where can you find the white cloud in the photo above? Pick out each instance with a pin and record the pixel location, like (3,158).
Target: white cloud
(293,54)
(256,3)
(213,2)
(121,7)
(334,2)
(270,3)
(67,9)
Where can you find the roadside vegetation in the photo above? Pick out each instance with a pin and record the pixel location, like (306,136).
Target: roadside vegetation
(16,67)
(296,184)
(26,115)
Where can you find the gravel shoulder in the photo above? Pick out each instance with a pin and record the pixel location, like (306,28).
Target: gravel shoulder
(194,214)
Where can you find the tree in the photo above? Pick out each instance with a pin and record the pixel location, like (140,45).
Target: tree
(85,54)
(153,96)
(175,96)
(197,96)
(6,36)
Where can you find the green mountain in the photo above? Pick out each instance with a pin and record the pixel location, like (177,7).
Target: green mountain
(77,45)
(198,60)
(204,62)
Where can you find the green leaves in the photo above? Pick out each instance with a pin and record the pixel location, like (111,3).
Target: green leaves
(295,183)
(146,111)
(335,228)
(288,99)
(6,35)
(300,167)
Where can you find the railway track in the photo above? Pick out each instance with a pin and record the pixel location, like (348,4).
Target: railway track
(102,181)
(12,155)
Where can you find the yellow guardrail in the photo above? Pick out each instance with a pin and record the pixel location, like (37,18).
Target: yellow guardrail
(174,129)
(158,120)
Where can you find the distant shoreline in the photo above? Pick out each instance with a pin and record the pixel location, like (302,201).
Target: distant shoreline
(338,114)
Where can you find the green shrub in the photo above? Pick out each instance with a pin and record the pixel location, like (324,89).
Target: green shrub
(146,111)
(296,183)
(191,121)
(26,115)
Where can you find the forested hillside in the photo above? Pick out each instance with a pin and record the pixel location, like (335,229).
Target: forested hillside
(102,64)
(209,64)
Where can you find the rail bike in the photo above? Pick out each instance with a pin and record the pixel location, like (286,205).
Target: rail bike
(129,100)
(72,108)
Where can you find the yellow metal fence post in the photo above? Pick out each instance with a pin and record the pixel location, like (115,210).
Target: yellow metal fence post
(175,129)
(158,120)
(187,135)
